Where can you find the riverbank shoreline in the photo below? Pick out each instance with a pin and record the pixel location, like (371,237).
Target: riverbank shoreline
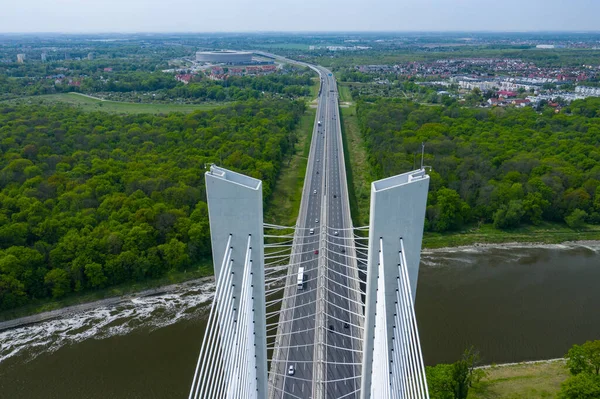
(524,363)
(545,233)
(533,380)
(511,245)
(112,301)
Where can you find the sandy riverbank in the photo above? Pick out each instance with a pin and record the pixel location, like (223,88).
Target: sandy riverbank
(44,316)
(512,245)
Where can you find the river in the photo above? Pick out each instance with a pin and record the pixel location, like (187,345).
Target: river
(513,303)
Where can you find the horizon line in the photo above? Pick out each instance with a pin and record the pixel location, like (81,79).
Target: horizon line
(166,32)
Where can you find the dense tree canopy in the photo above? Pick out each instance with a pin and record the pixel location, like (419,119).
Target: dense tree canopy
(584,358)
(583,362)
(91,199)
(506,166)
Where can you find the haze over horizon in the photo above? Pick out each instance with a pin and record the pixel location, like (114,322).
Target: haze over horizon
(80,16)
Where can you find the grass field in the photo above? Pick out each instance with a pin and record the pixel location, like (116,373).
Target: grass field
(91,104)
(314,88)
(357,169)
(547,233)
(344,91)
(521,381)
(284,204)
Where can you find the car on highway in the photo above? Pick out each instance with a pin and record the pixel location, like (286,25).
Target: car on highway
(331,329)
(314,192)
(316,220)
(334,196)
(319,123)
(346,325)
(316,251)
(312,231)
(342,250)
(291,369)
(336,233)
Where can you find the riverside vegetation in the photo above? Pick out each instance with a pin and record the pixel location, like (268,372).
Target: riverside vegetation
(506,167)
(579,378)
(91,199)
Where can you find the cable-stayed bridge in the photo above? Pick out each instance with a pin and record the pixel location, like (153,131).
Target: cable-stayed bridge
(320,309)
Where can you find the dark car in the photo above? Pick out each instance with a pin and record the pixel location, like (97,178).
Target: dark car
(331,329)
(346,325)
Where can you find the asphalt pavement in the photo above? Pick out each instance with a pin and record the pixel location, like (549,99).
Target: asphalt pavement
(327,187)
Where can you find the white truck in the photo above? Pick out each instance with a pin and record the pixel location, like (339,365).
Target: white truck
(301,278)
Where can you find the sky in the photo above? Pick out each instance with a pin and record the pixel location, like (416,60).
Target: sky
(93,16)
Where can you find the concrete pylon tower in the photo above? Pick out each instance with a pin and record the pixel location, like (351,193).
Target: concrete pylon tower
(235,207)
(396,224)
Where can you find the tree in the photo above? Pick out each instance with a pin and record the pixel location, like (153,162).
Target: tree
(58,282)
(576,220)
(439,381)
(174,254)
(584,358)
(580,386)
(509,216)
(95,275)
(464,374)
(450,212)
(12,292)
(453,381)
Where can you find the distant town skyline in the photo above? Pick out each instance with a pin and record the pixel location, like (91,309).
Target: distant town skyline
(81,16)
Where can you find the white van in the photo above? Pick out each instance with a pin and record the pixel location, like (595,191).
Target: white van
(312,231)
(300,280)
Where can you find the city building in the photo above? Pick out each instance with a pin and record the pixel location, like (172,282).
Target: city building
(224,57)
(44,56)
(184,78)
(20,58)
(588,91)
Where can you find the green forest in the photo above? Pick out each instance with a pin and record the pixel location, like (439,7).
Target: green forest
(90,200)
(163,86)
(509,167)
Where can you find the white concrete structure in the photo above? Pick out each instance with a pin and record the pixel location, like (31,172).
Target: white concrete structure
(396,230)
(225,57)
(235,206)
(588,91)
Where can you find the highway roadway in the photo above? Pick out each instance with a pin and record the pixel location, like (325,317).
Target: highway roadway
(326,303)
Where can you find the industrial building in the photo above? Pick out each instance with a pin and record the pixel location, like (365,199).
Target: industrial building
(224,57)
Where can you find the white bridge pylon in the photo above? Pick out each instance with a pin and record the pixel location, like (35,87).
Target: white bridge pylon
(233,357)
(392,361)
(382,331)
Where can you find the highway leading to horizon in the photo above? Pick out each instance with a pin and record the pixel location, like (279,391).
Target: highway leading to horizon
(323,319)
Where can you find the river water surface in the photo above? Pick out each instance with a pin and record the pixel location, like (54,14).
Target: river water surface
(513,303)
